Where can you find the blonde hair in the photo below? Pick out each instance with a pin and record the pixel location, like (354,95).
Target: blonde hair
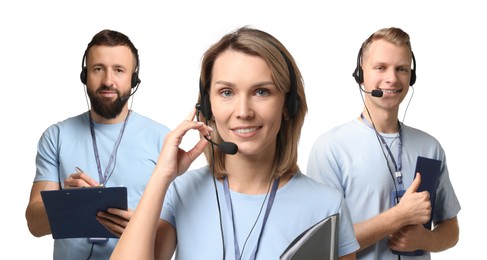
(392,34)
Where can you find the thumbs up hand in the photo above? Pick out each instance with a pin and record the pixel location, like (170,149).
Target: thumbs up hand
(414,207)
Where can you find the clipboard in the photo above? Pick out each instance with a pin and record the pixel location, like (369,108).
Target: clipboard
(72,212)
(319,242)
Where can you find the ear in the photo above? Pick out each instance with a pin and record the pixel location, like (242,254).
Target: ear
(285,115)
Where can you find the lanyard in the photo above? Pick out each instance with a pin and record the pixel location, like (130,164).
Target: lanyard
(228,198)
(398,165)
(103,178)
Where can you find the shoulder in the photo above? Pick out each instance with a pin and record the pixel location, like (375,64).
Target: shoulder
(194,177)
(146,123)
(419,135)
(344,130)
(312,186)
(341,136)
(69,124)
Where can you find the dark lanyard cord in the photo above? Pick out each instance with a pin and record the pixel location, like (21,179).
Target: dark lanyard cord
(103,178)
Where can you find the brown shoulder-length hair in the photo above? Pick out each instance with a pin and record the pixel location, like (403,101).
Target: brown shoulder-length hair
(284,71)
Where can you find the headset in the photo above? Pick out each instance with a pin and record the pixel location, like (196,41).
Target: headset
(358,73)
(292,98)
(135,81)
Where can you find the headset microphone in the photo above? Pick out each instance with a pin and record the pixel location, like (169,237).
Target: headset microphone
(374,93)
(122,99)
(225,147)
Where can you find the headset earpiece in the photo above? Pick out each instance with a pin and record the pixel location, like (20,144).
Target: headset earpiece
(358,73)
(292,98)
(205,101)
(135,79)
(413,71)
(83,75)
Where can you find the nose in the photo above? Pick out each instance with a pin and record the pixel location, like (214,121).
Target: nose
(245,108)
(108,78)
(391,76)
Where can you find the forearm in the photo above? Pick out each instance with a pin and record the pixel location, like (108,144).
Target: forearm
(445,235)
(37,219)
(138,238)
(372,230)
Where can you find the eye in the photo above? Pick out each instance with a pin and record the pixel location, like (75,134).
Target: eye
(402,69)
(379,68)
(262,92)
(226,93)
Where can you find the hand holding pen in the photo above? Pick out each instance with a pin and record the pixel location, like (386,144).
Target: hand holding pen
(79,179)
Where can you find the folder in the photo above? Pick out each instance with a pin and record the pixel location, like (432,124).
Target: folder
(430,177)
(319,242)
(72,212)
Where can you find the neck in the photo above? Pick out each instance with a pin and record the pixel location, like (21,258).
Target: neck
(118,119)
(249,177)
(383,122)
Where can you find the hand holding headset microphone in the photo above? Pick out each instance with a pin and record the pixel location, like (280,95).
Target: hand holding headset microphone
(358,75)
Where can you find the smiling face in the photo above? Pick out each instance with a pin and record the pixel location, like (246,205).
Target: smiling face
(247,105)
(387,67)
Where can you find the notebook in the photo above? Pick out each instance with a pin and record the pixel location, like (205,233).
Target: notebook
(319,242)
(430,176)
(71,212)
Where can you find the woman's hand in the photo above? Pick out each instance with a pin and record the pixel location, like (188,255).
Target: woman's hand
(173,159)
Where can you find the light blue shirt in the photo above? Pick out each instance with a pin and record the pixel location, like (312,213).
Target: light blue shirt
(68,144)
(191,207)
(349,158)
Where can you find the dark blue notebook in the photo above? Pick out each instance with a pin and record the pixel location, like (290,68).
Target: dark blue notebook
(71,212)
(430,176)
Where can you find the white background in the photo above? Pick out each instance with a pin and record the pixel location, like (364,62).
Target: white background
(42,43)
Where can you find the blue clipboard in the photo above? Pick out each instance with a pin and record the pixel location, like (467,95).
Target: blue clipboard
(72,212)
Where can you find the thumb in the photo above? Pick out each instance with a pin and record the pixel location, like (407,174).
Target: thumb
(415,185)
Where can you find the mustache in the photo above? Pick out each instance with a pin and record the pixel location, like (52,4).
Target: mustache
(108,88)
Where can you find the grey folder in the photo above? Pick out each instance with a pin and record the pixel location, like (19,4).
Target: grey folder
(72,212)
(319,242)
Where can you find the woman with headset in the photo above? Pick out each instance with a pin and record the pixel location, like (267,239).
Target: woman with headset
(246,204)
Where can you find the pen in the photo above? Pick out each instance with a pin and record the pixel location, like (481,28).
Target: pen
(78,170)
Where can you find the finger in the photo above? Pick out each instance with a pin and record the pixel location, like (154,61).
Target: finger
(191,115)
(74,181)
(110,226)
(123,214)
(198,149)
(84,178)
(415,185)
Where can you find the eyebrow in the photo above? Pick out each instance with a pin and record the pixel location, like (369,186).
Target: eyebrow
(263,83)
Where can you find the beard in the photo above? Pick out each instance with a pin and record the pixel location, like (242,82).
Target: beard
(107,109)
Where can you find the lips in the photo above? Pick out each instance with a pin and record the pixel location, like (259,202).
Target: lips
(245,130)
(391,91)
